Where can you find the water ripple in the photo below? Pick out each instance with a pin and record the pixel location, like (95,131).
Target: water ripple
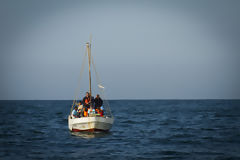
(142,130)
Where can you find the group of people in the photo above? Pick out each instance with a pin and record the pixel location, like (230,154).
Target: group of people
(88,106)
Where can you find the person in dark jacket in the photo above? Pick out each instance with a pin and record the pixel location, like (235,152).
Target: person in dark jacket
(87,101)
(98,102)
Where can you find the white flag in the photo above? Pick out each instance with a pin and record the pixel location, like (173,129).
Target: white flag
(100,86)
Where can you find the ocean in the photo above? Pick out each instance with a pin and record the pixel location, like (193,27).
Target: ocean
(143,129)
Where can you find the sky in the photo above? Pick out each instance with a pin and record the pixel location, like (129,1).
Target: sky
(146,49)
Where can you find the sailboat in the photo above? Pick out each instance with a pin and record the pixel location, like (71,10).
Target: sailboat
(91,122)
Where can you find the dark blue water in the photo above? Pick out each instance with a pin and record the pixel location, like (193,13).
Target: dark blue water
(148,129)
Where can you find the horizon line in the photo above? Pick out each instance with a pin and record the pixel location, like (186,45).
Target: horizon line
(133,99)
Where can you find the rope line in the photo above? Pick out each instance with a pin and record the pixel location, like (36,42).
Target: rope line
(80,76)
(79,79)
(107,107)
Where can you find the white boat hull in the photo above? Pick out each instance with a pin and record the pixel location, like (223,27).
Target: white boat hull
(90,124)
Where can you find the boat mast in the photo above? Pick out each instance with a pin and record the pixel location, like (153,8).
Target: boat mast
(89,64)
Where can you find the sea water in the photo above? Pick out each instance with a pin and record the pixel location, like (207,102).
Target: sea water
(143,129)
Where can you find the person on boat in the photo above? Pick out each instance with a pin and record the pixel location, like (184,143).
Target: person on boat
(87,100)
(75,113)
(80,109)
(85,112)
(98,102)
(80,105)
(91,111)
(101,111)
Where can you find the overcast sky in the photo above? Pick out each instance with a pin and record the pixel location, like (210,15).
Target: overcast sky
(142,49)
